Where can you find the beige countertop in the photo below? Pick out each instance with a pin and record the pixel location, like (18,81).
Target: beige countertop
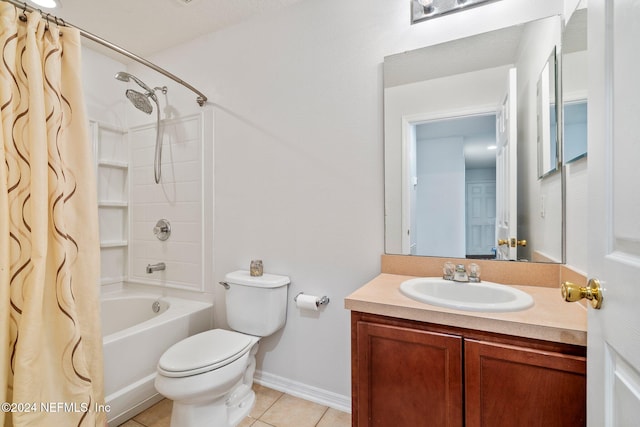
(550,318)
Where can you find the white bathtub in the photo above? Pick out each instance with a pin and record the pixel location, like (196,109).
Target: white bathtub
(134,338)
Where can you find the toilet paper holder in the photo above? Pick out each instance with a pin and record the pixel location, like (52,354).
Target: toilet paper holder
(324,300)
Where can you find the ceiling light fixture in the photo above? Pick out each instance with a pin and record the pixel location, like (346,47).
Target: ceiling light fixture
(47,4)
(426,9)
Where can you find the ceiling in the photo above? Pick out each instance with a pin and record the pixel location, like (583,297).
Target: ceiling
(478,133)
(144,27)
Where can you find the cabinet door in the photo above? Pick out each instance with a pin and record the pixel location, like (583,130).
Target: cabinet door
(407,377)
(515,386)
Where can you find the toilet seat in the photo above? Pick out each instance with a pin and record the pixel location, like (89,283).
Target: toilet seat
(204,352)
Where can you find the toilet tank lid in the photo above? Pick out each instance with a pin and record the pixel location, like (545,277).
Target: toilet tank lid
(242,277)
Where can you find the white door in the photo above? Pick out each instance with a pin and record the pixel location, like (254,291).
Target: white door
(481,217)
(613,373)
(506,172)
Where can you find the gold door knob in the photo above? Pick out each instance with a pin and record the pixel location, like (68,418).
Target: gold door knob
(513,242)
(572,292)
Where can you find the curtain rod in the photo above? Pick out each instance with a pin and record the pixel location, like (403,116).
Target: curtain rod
(201,99)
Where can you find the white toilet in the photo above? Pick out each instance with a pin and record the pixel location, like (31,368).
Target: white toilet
(209,375)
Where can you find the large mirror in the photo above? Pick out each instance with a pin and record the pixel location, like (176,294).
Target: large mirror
(574,83)
(461,157)
(546,92)
(575,96)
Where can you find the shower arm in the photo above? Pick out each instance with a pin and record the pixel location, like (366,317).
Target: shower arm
(201,98)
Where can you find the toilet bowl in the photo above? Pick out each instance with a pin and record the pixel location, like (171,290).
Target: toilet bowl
(209,375)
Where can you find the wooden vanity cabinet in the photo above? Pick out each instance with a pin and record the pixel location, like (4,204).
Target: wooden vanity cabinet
(407,377)
(407,373)
(508,385)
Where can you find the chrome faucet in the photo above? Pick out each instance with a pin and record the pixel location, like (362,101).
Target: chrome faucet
(460,274)
(155,267)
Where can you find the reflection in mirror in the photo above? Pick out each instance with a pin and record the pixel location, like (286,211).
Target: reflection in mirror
(436,202)
(421,10)
(575,130)
(546,89)
(574,86)
(574,91)
(454,153)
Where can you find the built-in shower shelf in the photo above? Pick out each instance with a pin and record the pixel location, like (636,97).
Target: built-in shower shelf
(114,244)
(111,157)
(112,204)
(113,164)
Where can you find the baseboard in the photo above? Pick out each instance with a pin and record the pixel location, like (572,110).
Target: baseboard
(304,391)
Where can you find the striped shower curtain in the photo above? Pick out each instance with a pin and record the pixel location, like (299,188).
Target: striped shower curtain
(50,343)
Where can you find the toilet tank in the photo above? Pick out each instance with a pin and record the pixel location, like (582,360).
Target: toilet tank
(256,305)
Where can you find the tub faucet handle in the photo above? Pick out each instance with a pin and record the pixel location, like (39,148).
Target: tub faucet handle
(162,230)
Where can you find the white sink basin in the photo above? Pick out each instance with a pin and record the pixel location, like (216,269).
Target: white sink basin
(483,296)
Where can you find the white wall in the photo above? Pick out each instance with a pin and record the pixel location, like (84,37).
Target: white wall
(541,230)
(571,5)
(441,182)
(298,165)
(577,205)
(574,69)
(103,102)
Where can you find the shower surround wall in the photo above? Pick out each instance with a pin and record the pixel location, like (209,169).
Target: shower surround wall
(131,202)
(178,198)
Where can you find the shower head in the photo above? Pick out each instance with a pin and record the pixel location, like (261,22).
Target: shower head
(126,77)
(122,76)
(140,100)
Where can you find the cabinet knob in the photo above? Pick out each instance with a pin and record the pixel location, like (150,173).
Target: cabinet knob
(593,292)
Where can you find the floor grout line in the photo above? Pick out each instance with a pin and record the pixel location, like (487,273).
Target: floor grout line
(282,398)
(322,416)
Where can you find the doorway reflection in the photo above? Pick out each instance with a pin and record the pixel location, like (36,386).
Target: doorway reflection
(452,163)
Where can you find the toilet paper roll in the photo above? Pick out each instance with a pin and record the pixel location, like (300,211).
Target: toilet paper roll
(307,302)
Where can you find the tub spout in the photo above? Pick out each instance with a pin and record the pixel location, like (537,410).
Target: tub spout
(155,267)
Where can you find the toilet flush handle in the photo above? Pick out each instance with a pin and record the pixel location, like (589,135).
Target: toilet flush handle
(225,284)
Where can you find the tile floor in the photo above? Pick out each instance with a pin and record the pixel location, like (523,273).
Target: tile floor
(272,409)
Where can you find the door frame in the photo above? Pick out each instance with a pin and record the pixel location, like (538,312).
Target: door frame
(408,140)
